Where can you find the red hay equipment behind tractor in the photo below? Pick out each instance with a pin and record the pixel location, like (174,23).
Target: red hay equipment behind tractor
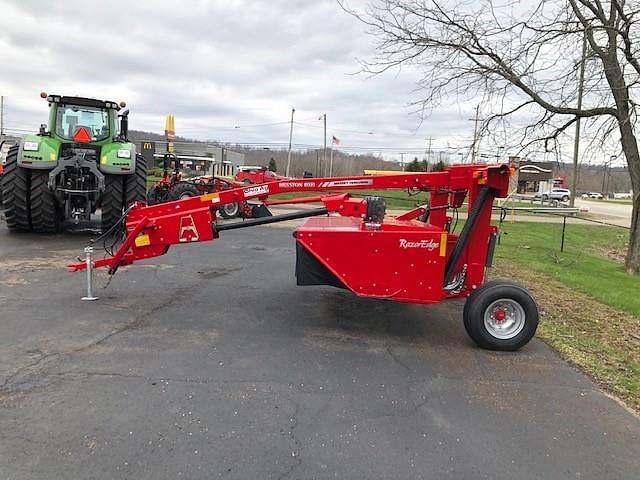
(174,186)
(352,243)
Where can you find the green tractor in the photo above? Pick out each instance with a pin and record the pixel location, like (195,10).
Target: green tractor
(84,162)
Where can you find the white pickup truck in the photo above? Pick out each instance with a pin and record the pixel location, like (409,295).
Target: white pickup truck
(561,194)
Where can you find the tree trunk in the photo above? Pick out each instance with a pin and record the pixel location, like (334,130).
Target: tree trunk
(630,148)
(632,262)
(615,78)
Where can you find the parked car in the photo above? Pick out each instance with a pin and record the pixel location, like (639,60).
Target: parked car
(257,174)
(597,195)
(622,195)
(561,194)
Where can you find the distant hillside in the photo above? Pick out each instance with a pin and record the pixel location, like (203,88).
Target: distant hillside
(590,177)
(301,161)
(141,135)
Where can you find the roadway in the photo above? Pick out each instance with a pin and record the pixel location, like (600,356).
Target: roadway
(617,213)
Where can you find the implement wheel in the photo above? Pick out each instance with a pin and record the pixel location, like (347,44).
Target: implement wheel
(501,315)
(15,184)
(230,210)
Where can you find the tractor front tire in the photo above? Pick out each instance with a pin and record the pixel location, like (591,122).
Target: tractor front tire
(182,191)
(45,214)
(501,315)
(15,184)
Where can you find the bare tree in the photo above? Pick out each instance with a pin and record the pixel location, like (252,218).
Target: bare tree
(522,59)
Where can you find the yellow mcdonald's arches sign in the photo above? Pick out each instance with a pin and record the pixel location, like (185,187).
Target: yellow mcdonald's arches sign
(170,128)
(147,146)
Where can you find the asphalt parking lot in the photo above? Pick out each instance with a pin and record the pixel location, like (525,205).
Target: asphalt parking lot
(210,363)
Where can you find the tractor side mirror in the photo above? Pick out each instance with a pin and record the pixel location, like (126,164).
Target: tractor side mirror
(124,124)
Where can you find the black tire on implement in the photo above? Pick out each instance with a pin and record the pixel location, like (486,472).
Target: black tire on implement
(15,183)
(230,210)
(155,195)
(45,216)
(182,191)
(516,323)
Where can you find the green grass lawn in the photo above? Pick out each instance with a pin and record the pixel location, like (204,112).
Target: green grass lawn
(590,307)
(591,262)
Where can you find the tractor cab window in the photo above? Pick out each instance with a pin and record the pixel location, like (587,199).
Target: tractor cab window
(70,117)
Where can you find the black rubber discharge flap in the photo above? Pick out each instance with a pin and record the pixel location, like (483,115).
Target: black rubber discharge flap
(309,271)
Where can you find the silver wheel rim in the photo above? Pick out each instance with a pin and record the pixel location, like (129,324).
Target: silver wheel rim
(504,318)
(231,209)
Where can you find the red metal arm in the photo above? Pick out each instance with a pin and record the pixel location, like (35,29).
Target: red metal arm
(151,230)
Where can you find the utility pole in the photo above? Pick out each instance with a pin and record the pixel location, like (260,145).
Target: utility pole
(475,136)
(605,180)
(426,167)
(324,152)
(293,110)
(402,161)
(576,140)
(331,160)
(1,115)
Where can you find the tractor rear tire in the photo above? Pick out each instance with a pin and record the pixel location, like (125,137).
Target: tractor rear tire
(136,185)
(501,315)
(45,214)
(182,191)
(120,191)
(113,200)
(15,184)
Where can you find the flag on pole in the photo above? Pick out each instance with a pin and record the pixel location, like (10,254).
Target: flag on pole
(335,140)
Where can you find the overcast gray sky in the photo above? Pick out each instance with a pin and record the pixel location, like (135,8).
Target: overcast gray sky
(217,65)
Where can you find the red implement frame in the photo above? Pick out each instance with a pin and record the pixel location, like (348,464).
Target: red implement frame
(404,258)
